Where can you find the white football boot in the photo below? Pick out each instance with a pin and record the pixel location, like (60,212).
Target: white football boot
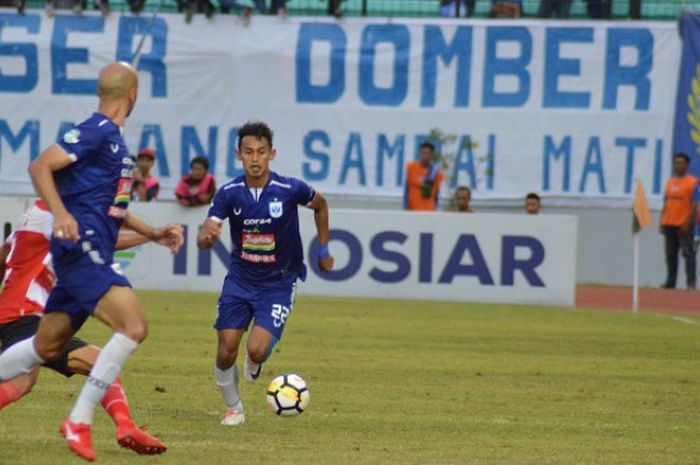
(233,417)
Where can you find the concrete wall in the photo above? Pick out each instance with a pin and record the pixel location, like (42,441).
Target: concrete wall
(604,240)
(604,246)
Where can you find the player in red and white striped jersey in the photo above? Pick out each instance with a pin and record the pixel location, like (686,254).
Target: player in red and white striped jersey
(27,277)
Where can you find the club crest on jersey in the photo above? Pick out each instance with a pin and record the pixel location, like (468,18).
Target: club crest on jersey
(72,136)
(275,209)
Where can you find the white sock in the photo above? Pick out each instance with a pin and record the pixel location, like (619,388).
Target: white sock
(227,380)
(19,359)
(107,367)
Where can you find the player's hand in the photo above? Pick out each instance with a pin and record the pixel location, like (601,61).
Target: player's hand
(172,236)
(326,264)
(211,230)
(65,227)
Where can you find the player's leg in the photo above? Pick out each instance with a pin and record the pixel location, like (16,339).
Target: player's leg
(10,334)
(12,391)
(226,374)
(233,318)
(119,309)
(79,358)
(114,304)
(261,342)
(272,309)
(53,333)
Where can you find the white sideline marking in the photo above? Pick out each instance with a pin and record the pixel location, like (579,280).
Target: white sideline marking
(684,320)
(681,319)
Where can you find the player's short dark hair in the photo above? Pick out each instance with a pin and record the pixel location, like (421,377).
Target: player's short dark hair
(681,155)
(463,189)
(428,145)
(257,129)
(201,161)
(533,196)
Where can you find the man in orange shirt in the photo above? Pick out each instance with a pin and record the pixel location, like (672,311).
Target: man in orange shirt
(423,179)
(677,217)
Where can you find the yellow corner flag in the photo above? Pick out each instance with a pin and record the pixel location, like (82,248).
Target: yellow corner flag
(640,209)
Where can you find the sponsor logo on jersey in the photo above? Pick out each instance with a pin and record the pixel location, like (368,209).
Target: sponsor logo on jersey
(72,136)
(258,242)
(275,209)
(257,258)
(256,221)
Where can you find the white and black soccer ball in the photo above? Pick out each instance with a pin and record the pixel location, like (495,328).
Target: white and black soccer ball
(288,395)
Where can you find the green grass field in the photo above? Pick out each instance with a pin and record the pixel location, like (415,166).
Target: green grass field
(401,383)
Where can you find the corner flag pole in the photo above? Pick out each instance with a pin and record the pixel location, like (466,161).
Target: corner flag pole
(635,275)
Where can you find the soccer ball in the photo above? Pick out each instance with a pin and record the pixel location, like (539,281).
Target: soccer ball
(287,395)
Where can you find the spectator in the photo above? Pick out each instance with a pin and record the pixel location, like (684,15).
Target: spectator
(198,187)
(335,8)
(423,179)
(245,11)
(677,217)
(145,187)
(76,5)
(449,8)
(532,204)
(136,6)
(560,8)
(506,9)
(190,7)
(279,8)
(463,196)
(599,9)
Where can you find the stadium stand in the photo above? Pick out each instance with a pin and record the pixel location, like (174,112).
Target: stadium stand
(650,9)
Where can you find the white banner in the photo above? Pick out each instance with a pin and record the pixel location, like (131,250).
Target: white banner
(570,109)
(392,255)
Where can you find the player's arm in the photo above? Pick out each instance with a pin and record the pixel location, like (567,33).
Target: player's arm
(128,238)
(209,233)
(170,235)
(41,171)
(218,212)
(4,253)
(320,207)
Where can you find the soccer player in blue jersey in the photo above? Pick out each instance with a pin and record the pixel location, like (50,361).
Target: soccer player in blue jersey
(85,180)
(266,259)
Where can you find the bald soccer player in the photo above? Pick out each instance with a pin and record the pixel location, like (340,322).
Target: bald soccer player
(85,182)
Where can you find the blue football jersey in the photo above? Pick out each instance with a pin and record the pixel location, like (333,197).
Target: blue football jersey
(264,226)
(96,187)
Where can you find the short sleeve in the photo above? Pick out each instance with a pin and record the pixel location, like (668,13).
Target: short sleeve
(219,209)
(152,192)
(302,193)
(81,141)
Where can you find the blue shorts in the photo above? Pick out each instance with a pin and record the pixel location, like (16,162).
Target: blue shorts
(270,306)
(84,275)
